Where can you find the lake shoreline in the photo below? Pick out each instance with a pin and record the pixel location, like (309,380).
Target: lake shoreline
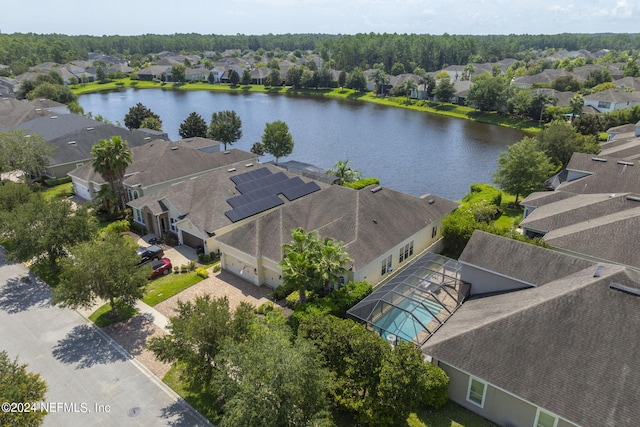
(450,110)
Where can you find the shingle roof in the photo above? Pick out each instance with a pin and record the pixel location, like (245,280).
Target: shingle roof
(14,112)
(203,199)
(490,252)
(368,223)
(611,176)
(613,95)
(570,346)
(56,126)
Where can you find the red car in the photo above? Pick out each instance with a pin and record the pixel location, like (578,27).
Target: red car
(161,267)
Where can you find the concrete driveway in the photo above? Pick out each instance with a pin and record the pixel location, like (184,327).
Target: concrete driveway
(179,255)
(91,380)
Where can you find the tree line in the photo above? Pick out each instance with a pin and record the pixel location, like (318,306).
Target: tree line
(430,52)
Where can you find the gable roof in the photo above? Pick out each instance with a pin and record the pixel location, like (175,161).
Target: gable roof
(368,223)
(203,200)
(605,175)
(76,145)
(162,161)
(52,127)
(569,347)
(548,266)
(14,112)
(613,95)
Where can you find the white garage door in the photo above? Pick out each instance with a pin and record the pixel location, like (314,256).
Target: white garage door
(82,191)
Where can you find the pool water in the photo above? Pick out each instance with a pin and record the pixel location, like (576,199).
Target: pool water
(407,320)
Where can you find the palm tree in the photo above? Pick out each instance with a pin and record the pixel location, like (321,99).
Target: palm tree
(343,171)
(300,264)
(576,104)
(380,79)
(408,86)
(468,70)
(110,158)
(332,261)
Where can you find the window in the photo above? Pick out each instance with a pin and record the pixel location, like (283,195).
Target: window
(172,226)
(476,392)
(604,104)
(545,419)
(434,231)
(405,252)
(386,265)
(129,195)
(135,194)
(137,213)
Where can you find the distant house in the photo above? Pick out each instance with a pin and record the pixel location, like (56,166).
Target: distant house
(154,72)
(14,112)
(380,228)
(73,136)
(612,100)
(546,77)
(160,164)
(551,342)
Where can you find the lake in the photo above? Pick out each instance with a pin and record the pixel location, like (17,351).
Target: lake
(409,151)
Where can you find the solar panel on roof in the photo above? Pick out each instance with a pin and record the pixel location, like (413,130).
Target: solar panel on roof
(255,184)
(253,208)
(250,176)
(300,191)
(274,188)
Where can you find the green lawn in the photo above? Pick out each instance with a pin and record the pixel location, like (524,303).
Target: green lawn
(103,316)
(165,287)
(59,191)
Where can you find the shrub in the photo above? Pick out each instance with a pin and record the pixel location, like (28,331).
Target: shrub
(202,272)
(57,181)
(117,227)
(265,308)
(362,183)
(216,268)
(434,390)
(281,292)
(484,192)
(192,265)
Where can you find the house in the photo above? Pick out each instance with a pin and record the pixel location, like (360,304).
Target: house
(259,75)
(154,72)
(381,229)
(8,86)
(160,164)
(201,208)
(612,99)
(14,112)
(623,142)
(587,173)
(73,136)
(556,347)
(545,77)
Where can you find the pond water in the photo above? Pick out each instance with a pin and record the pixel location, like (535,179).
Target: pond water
(409,151)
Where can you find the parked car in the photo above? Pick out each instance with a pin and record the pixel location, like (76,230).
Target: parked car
(161,267)
(149,254)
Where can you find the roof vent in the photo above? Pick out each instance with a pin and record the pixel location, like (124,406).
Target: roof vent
(624,288)
(376,189)
(231,170)
(90,128)
(248,165)
(598,271)
(147,138)
(174,148)
(226,152)
(622,162)
(599,159)
(431,201)
(71,142)
(54,117)
(633,198)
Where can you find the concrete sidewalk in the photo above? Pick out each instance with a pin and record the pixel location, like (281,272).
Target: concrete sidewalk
(158,319)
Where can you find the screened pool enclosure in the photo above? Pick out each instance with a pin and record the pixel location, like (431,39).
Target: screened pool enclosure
(414,304)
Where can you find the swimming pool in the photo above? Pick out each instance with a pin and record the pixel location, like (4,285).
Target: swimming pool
(408,319)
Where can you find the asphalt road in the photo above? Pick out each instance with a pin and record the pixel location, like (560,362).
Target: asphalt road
(91,380)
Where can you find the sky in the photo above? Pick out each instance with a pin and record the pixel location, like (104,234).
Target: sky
(255,17)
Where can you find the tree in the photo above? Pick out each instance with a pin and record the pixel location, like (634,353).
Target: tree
(309,263)
(576,104)
(101,75)
(357,80)
(343,171)
(397,68)
(294,76)
(226,127)
(152,123)
(488,93)
(407,87)
(522,168)
(283,382)
(444,90)
(559,140)
(342,78)
(234,77)
(20,386)
(277,139)
(274,78)
(198,333)
(44,229)
(105,199)
(104,268)
(380,79)
(178,73)
(110,158)
(22,151)
(133,119)
(467,71)
(257,148)
(193,126)
(539,103)
(246,77)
